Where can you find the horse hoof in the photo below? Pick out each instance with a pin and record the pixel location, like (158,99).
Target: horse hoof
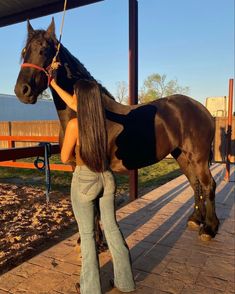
(77,287)
(205,237)
(111,282)
(103,247)
(193,225)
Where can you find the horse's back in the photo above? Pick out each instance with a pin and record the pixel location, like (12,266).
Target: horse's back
(149,132)
(182,103)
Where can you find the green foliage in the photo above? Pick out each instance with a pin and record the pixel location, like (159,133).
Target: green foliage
(156,86)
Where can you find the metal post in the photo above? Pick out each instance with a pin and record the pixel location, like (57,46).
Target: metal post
(133,79)
(229,130)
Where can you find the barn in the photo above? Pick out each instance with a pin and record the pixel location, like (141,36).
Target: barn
(13,110)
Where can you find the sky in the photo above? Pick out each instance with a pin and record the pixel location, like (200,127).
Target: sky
(188,40)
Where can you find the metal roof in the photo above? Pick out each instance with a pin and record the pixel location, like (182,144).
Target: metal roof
(14,11)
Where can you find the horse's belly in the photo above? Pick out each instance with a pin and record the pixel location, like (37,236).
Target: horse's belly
(117,166)
(133,151)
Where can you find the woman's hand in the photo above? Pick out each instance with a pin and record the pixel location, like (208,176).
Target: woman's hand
(53,69)
(69,99)
(52,82)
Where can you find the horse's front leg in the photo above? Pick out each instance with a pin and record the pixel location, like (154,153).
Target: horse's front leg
(99,235)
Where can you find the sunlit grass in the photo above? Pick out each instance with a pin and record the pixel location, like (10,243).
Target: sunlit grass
(148,178)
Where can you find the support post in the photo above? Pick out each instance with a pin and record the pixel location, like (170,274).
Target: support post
(133,79)
(229,130)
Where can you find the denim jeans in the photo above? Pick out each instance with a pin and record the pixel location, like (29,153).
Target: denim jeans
(86,186)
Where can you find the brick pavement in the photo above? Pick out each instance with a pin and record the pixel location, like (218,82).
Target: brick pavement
(167,257)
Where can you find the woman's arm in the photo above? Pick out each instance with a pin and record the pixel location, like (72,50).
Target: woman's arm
(70,141)
(65,96)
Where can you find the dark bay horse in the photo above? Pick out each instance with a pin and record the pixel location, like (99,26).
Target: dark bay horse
(138,135)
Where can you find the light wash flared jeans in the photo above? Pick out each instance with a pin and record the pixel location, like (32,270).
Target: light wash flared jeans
(86,186)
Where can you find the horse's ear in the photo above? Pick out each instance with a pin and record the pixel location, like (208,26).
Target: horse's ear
(30,28)
(51,28)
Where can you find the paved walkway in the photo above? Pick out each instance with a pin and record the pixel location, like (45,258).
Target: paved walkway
(167,257)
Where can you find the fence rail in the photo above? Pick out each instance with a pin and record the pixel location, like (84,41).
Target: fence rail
(8,155)
(37,128)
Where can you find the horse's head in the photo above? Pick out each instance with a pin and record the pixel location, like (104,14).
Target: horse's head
(37,56)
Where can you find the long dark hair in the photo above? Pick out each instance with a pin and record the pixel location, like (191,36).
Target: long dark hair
(91,125)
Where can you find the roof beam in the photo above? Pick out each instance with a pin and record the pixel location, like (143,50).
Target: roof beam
(43,10)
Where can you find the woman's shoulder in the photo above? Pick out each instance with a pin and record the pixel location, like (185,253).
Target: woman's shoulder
(73,125)
(73,122)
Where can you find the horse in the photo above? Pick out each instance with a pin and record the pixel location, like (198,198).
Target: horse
(138,135)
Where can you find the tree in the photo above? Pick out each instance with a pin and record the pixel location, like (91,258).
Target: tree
(121,92)
(46,95)
(157,86)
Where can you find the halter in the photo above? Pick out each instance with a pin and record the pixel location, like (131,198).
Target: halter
(45,70)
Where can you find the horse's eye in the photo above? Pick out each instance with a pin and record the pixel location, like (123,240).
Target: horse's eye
(44,51)
(23,52)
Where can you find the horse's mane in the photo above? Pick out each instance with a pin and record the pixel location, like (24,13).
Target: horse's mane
(76,70)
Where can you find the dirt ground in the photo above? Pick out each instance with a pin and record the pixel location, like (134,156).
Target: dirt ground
(28,224)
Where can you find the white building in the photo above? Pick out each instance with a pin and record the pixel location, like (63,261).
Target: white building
(11,109)
(218,106)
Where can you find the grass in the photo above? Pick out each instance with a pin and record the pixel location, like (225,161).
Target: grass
(149,177)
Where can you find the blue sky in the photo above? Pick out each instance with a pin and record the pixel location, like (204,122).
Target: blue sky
(188,40)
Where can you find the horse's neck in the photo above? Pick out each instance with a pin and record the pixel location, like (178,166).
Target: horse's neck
(63,111)
(71,71)
(64,114)
(78,71)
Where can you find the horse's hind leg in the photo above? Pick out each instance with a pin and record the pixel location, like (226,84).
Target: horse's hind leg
(199,212)
(203,184)
(211,223)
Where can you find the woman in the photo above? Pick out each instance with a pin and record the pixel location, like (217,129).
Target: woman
(88,136)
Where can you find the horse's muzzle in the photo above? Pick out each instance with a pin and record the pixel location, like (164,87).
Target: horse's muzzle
(24,93)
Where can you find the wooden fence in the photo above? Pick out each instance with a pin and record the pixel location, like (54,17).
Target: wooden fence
(26,152)
(10,151)
(29,133)
(220,140)
(28,128)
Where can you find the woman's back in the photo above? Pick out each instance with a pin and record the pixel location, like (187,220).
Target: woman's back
(92,125)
